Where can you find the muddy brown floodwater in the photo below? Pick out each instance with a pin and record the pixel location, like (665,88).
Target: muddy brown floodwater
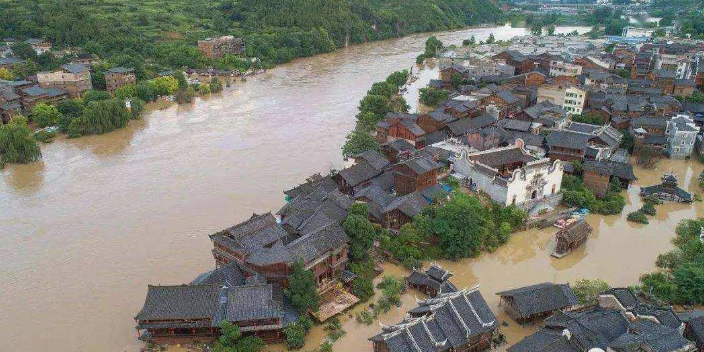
(85,230)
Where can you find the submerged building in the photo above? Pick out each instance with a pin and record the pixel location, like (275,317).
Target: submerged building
(668,190)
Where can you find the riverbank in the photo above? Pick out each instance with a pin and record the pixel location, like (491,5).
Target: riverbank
(101,216)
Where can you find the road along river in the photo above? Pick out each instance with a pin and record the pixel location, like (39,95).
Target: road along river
(85,230)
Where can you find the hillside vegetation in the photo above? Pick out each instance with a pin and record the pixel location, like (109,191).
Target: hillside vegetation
(165,32)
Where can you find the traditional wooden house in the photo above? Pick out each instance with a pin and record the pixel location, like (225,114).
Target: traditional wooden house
(462,108)
(536,301)
(397,150)
(570,238)
(262,245)
(401,210)
(599,329)
(434,121)
(432,282)
(597,175)
(668,190)
(507,103)
(694,327)
(193,313)
(368,165)
(415,174)
(457,321)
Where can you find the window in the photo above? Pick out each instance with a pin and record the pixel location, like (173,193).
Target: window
(554,187)
(513,201)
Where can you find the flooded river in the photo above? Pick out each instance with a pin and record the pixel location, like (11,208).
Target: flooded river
(83,231)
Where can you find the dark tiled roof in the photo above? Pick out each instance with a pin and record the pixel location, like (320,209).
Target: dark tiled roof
(591,328)
(645,335)
(496,158)
(401,145)
(410,204)
(121,70)
(228,275)
(312,183)
(568,139)
(462,126)
(624,296)
(74,68)
(252,302)
(422,165)
(610,168)
(179,302)
(449,321)
(515,125)
(541,298)
(545,341)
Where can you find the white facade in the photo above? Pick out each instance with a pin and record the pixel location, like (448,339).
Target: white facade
(533,181)
(681,135)
(569,98)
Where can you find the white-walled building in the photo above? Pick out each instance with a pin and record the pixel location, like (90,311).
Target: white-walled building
(513,176)
(681,135)
(570,98)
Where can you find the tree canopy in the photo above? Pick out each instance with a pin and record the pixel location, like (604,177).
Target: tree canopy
(17,144)
(302,289)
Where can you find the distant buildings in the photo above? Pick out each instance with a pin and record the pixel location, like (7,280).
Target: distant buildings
(40,46)
(74,78)
(220,46)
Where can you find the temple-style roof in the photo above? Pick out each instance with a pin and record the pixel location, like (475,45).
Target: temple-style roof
(179,302)
(575,232)
(449,321)
(540,298)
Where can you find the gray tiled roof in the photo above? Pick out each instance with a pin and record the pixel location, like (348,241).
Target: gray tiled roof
(462,126)
(611,168)
(421,165)
(541,298)
(645,335)
(410,204)
(74,68)
(179,302)
(449,321)
(252,302)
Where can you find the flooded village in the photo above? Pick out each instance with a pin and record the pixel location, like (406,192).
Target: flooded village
(564,144)
(504,132)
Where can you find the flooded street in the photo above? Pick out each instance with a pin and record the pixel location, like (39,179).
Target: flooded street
(85,230)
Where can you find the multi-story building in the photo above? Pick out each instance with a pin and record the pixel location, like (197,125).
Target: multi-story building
(118,77)
(218,47)
(570,98)
(681,135)
(32,95)
(563,68)
(74,78)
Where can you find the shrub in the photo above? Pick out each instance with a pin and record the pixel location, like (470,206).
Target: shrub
(638,217)
(432,97)
(363,288)
(17,144)
(44,136)
(44,115)
(648,209)
(335,330)
(295,336)
(364,317)
(587,291)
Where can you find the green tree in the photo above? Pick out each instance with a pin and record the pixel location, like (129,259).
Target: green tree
(95,95)
(162,86)
(232,340)
(375,104)
(361,233)
(587,291)
(359,141)
(398,78)
(295,336)
(491,39)
(185,95)
(432,97)
(462,225)
(44,115)
(17,144)
(6,74)
(383,89)
(126,92)
(24,50)
(363,288)
(100,117)
(302,289)
(215,85)
(359,209)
